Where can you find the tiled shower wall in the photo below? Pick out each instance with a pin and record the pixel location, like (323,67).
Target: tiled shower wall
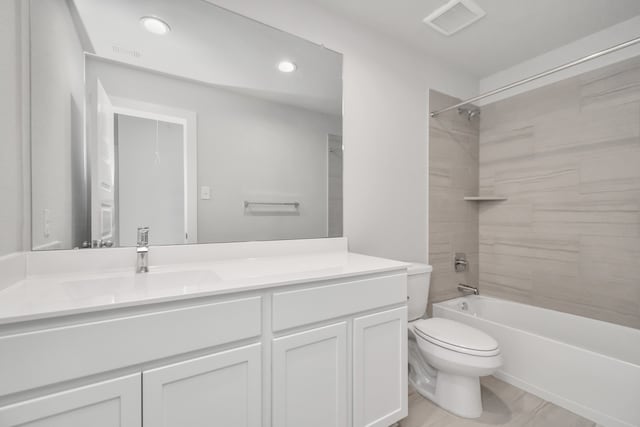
(453,174)
(568,158)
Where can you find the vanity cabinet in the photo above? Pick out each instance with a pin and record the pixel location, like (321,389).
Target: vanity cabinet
(323,353)
(310,384)
(225,387)
(114,403)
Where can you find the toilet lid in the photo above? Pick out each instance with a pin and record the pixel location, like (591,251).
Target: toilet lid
(456,336)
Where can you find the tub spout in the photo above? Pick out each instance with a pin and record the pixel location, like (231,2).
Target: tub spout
(467,289)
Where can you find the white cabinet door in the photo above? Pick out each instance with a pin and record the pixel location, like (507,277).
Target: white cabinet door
(380,368)
(310,378)
(221,389)
(115,403)
(103,214)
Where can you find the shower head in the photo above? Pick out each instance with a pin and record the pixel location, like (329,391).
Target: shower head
(470,112)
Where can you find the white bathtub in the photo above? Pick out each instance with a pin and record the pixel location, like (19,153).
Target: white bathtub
(587,366)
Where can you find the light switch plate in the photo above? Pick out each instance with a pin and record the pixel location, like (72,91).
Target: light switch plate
(205,192)
(46,222)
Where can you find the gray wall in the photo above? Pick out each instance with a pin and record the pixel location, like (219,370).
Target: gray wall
(57,135)
(453,174)
(11,190)
(568,157)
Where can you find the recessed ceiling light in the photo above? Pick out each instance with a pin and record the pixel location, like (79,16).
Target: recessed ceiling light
(155,25)
(287,67)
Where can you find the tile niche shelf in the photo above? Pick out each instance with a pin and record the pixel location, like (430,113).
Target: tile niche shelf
(485,198)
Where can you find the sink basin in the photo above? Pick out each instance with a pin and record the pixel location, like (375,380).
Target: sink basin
(187,279)
(122,287)
(107,289)
(154,281)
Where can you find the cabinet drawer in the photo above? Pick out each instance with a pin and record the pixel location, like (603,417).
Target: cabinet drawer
(113,403)
(49,356)
(305,306)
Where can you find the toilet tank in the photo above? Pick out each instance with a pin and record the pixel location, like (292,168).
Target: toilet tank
(418,282)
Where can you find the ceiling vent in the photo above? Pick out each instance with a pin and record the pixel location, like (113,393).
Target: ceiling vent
(454,16)
(119,50)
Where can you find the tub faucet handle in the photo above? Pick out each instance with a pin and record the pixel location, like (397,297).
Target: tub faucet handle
(460,262)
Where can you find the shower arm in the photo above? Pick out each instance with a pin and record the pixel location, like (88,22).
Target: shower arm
(539,76)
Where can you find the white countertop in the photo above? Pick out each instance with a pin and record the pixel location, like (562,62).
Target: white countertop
(53,295)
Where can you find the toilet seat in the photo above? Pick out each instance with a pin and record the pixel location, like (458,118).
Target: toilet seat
(456,336)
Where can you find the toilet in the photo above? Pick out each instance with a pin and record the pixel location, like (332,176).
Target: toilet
(446,358)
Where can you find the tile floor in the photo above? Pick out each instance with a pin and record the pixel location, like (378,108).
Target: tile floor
(504,405)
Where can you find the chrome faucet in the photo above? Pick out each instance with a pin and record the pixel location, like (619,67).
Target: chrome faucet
(143,250)
(467,289)
(460,263)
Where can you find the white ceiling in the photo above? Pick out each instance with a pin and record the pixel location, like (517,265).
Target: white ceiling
(511,32)
(214,46)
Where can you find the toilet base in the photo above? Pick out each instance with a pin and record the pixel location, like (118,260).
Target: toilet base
(457,394)
(460,395)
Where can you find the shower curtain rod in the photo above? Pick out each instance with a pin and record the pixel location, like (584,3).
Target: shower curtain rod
(540,75)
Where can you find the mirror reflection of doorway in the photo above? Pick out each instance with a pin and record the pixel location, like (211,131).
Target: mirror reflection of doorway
(335,200)
(151,180)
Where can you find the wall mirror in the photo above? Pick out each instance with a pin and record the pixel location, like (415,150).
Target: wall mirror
(201,124)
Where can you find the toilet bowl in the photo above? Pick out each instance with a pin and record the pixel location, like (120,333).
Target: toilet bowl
(446,358)
(458,356)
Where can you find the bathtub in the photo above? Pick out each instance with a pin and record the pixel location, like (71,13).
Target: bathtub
(587,366)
